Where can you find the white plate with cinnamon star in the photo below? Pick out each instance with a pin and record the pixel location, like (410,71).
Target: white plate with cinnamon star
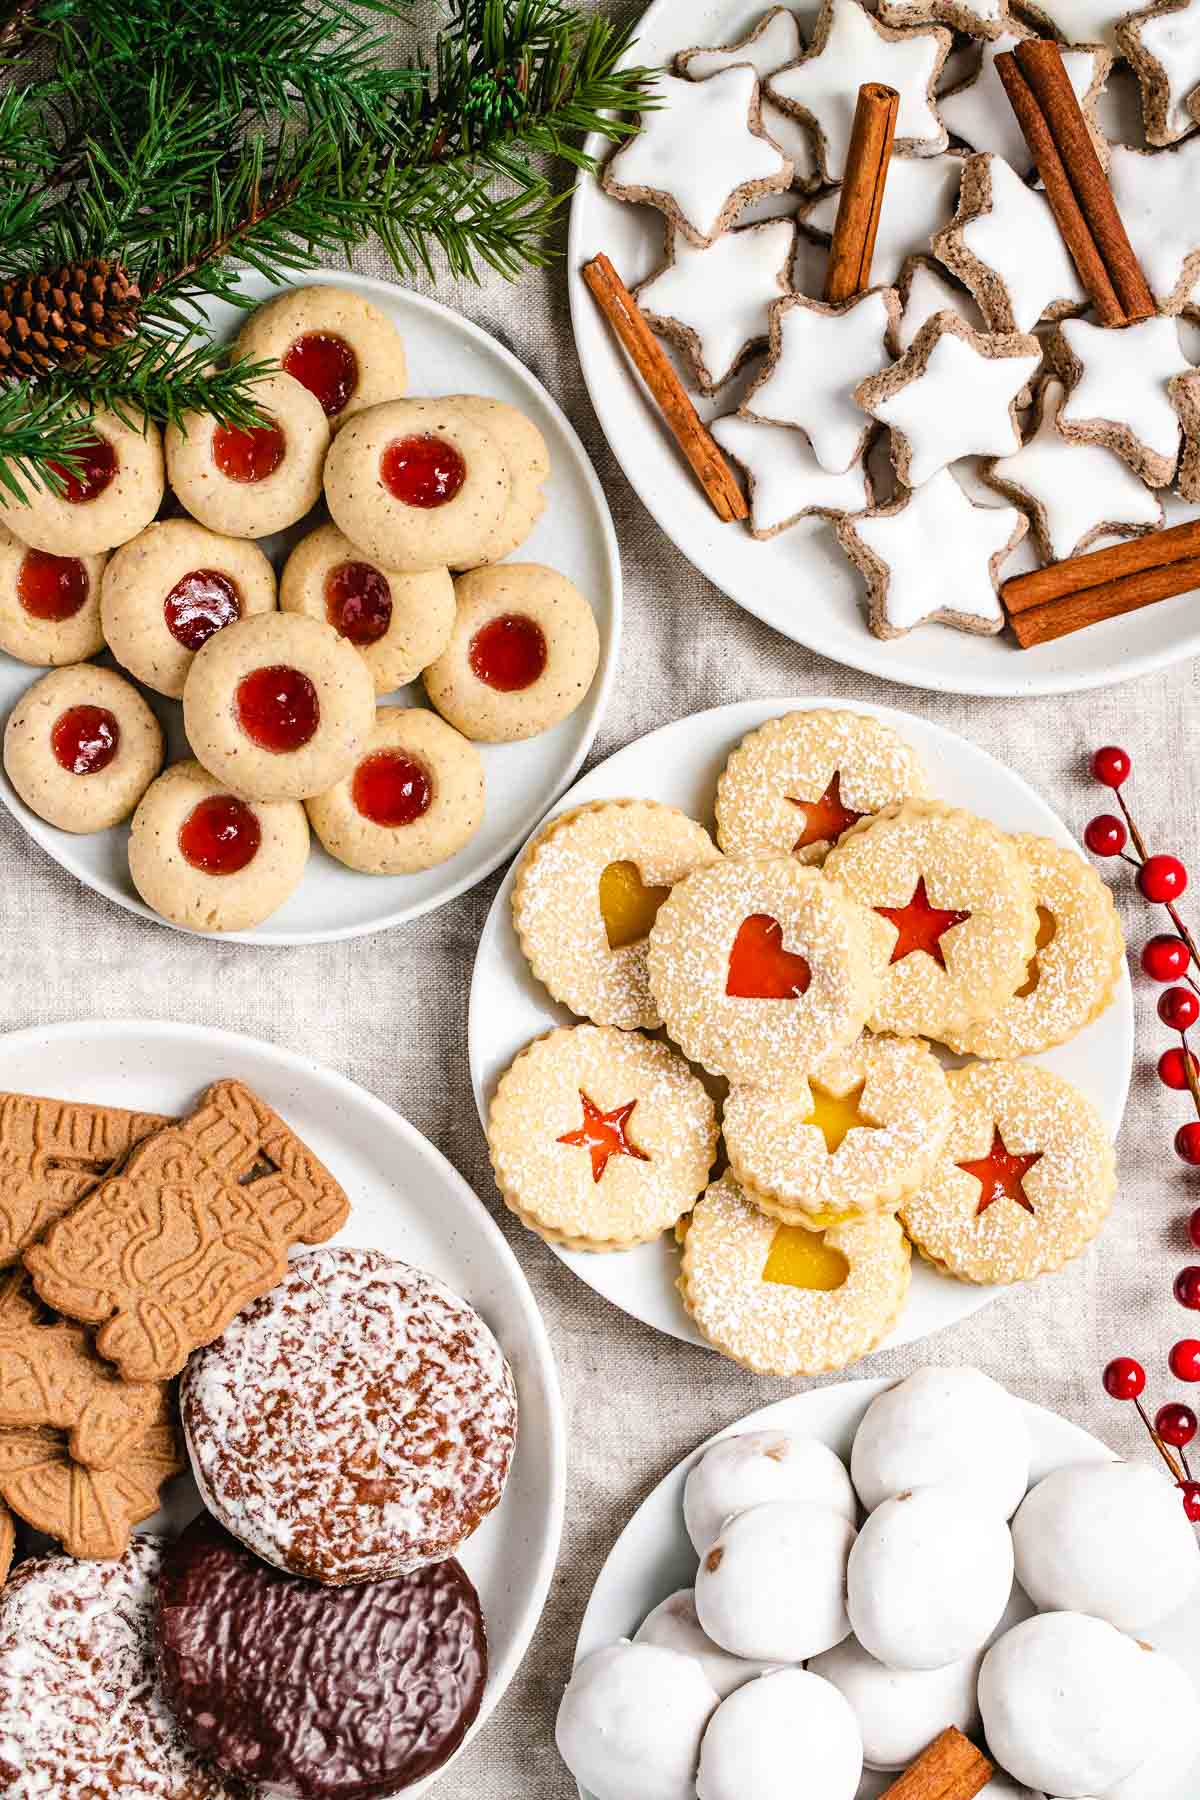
(805,421)
(797,1029)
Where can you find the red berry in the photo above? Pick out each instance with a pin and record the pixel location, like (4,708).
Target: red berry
(1175,1425)
(1191,1500)
(1165,958)
(1185,1360)
(1178,1008)
(1187,1142)
(1172,1072)
(1111,765)
(1124,1379)
(1162,878)
(1187,1288)
(1105,835)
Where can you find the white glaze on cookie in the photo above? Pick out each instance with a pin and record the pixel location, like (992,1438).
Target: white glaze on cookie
(673,1625)
(900,1711)
(772,1586)
(1163,43)
(925,290)
(942,1424)
(1118,391)
(750,1745)
(1004,243)
(715,301)
(819,355)
(775,40)
(979,112)
(785,480)
(1155,192)
(752,1467)
(922,192)
(631,1720)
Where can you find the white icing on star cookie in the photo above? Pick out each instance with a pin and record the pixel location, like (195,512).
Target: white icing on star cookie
(1078,21)
(981,18)
(925,289)
(785,480)
(714,303)
(1118,391)
(1163,45)
(819,354)
(978,110)
(1155,192)
(921,197)
(1005,244)
(774,42)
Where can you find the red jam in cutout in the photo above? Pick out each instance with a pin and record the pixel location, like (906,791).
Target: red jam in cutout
(422,470)
(325,365)
(604,1135)
(1001,1174)
(508,653)
(920,925)
(221,835)
(826,818)
(390,789)
(51,587)
(759,966)
(358,602)
(97,466)
(199,605)
(278,708)
(248,455)
(85,739)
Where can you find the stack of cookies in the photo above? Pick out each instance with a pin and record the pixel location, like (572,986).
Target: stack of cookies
(843,928)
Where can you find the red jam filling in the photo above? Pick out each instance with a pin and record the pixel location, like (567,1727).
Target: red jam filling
(325,365)
(1001,1174)
(423,470)
(97,466)
(221,835)
(85,739)
(278,708)
(508,653)
(199,605)
(759,966)
(51,587)
(390,789)
(826,818)
(248,456)
(358,602)
(921,926)
(604,1135)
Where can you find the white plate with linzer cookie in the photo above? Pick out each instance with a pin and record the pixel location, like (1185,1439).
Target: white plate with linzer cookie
(222,1268)
(931,355)
(797,1030)
(348,657)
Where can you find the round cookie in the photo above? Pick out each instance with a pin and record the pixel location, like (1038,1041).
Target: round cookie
(1024,1181)
(171,589)
(800,781)
(673,1625)
(528,462)
(786,1300)
(760,968)
(417,484)
(296,1432)
(521,657)
(81,747)
(115,494)
(394,1673)
(943,1424)
(861,1131)
(249,483)
(278,707)
(955,927)
(773,1585)
(49,605)
(900,1711)
(412,800)
(630,1723)
(751,1744)
(753,1467)
(335,343)
(1175,1736)
(398,623)
(600,1139)
(81,1709)
(208,861)
(587,890)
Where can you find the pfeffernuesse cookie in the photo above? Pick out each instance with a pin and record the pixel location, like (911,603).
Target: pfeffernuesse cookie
(528,460)
(247,483)
(752,1467)
(81,747)
(336,343)
(773,1583)
(900,1711)
(49,605)
(114,493)
(674,1625)
(943,1424)
(630,1722)
(749,1745)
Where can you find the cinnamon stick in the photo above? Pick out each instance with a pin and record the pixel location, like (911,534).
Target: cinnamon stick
(1156,550)
(867,161)
(1058,618)
(951,1769)
(653,365)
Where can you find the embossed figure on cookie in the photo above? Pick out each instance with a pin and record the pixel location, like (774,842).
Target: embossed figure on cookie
(90,1512)
(52,1152)
(197,1223)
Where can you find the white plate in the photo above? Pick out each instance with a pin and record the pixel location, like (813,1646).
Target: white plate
(408,1202)
(679,764)
(800,582)
(653,1555)
(446,354)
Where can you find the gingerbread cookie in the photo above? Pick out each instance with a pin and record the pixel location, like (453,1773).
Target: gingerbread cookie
(714,303)
(229,1190)
(81,747)
(784,480)
(8,1542)
(922,193)
(49,605)
(978,109)
(1025,1179)
(600,1139)
(209,861)
(410,802)
(924,290)
(783,1300)
(587,891)
(114,493)
(90,1512)
(337,344)
(978,18)
(172,588)
(52,1153)
(521,657)
(774,42)
(1162,44)
(278,707)
(819,355)
(1119,393)
(248,483)
(1155,191)
(527,459)
(1005,246)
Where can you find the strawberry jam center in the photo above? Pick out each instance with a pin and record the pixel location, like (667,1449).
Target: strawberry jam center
(221,835)
(390,789)
(51,587)
(358,602)
(422,470)
(759,966)
(508,653)
(200,604)
(247,456)
(325,365)
(97,466)
(85,739)
(278,708)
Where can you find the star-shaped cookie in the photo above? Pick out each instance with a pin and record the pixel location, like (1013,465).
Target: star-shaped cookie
(1163,47)
(953,393)
(1005,245)
(920,199)
(775,41)
(849,46)
(925,289)
(1079,21)
(819,355)
(978,110)
(980,18)
(1073,493)
(701,155)
(1185,391)
(933,555)
(715,303)
(1119,391)
(785,479)
(1155,192)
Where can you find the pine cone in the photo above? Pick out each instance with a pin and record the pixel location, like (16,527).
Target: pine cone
(56,319)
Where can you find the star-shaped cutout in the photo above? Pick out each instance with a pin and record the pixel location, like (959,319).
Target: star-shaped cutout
(1119,392)
(982,18)
(693,156)
(922,192)
(1001,1174)
(1155,192)
(786,481)
(825,819)
(717,300)
(1164,48)
(774,42)
(819,355)
(924,290)
(979,112)
(604,1135)
(1074,493)
(1005,246)
(1079,21)
(920,926)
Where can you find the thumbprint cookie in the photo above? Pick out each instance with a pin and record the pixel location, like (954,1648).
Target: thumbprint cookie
(528,460)
(113,492)
(249,482)
(344,350)
(49,605)
(81,747)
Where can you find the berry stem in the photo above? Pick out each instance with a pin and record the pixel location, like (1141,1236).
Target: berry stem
(1139,844)
(1176,1471)
(1193,1080)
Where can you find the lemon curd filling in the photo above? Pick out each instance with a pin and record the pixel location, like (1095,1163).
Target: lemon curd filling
(802,1259)
(627,906)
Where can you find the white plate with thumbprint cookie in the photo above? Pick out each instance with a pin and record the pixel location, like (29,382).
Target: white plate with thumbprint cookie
(680,765)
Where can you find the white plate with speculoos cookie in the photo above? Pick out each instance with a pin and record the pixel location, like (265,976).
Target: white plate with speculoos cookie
(345,660)
(798,1029)
(193,1310)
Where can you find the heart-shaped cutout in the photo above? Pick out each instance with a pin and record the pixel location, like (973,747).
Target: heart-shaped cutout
(627,905)
(802,1259)
(759,966)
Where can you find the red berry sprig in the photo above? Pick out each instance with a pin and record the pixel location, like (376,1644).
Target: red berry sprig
(1174,1426)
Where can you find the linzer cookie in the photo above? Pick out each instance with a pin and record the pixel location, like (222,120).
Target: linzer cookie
(52,1153)
(90,1512)
(194,1226)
